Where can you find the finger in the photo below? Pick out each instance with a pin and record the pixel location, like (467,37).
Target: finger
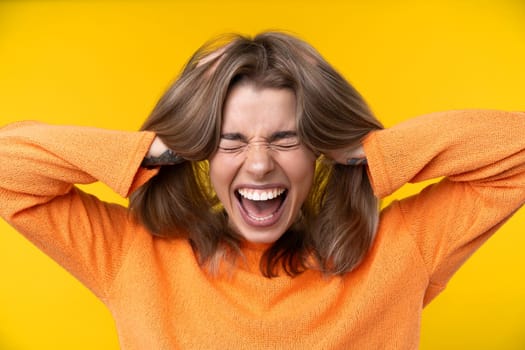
(357,161)
(213,55)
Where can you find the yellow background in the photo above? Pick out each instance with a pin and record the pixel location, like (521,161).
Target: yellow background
(106,63)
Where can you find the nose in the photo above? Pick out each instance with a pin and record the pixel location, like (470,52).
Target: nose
(259,160)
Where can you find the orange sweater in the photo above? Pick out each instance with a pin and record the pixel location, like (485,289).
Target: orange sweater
(161,299)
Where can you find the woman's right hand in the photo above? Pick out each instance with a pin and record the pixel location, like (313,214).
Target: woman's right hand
(157,148)
(216,55)
(159,154)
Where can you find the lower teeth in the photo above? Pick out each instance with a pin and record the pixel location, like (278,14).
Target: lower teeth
(256,218)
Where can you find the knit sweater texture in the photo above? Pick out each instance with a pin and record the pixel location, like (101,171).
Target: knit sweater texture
(161,298)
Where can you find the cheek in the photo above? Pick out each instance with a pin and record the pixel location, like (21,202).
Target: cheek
(217,177)
(221,175)
(301,168)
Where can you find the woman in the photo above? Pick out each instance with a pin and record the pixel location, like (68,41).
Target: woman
(255,223)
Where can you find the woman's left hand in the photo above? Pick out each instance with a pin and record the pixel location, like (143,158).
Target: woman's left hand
(348,156)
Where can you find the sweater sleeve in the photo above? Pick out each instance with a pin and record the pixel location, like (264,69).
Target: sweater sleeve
(40,165)
(481,157)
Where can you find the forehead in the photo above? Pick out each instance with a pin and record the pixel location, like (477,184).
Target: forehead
(250,109)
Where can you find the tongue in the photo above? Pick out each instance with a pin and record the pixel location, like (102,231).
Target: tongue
(261,208)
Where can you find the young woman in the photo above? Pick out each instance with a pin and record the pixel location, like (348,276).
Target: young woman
(254,219)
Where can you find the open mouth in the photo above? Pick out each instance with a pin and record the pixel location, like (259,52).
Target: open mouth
(261,207)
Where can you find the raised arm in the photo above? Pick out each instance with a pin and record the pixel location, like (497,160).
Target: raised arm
(480,154)
(40,165)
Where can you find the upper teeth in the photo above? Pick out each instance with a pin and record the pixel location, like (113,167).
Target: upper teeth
(260,195)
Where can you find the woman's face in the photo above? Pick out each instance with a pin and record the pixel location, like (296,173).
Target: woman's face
(261,172)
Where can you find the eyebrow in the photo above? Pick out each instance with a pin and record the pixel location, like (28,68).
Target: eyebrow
(278,135)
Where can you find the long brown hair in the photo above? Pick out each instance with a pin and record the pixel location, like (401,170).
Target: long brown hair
(340,215)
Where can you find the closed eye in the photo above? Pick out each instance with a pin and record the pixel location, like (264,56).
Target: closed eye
(232,148)
(278,141)
(284,140)
(232,142)
(285,145)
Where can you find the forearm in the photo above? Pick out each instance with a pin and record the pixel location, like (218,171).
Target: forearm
(42,161)
(474,146)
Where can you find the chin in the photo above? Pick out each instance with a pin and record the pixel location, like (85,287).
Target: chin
(262,237)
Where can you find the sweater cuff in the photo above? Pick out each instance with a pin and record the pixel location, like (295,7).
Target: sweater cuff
(135,176)
(377,174)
